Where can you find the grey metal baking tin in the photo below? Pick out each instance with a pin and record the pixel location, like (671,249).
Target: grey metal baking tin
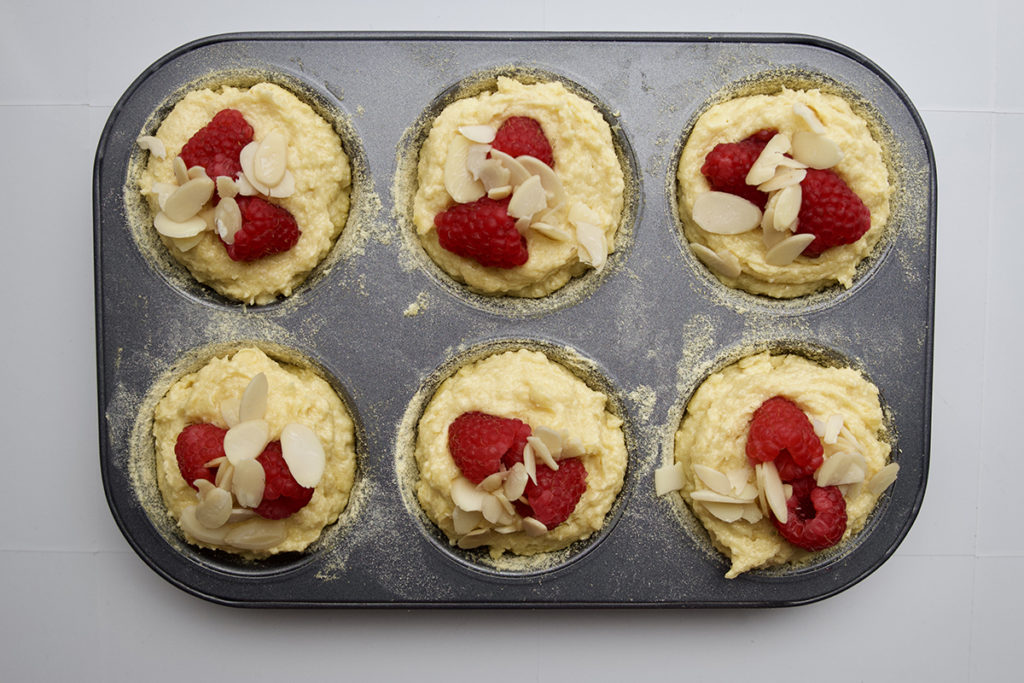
(632,325)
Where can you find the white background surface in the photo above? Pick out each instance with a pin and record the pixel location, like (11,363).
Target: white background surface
(76,602)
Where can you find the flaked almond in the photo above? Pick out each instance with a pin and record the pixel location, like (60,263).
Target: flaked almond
(214,508)
(530,463)
(593,245)
(179,229)
(548,178)
(517,172)
(771,237)
(465,521)
(197,172)
(476,539)
(303,453)
(253,405)
(713,479)
(752,513)
(762,502)
(832,469)
(225,474)
(162,192)
(226,187)
(819,426)
(247,160)
(774,493)
(724,263)
(271,158)
(523,225)
(833,426)
(706,496)
(229,410)
(153,145)
(246,440)
(491,508)
(787,208)
(189,199)
(738,477)
(771,156)
(180,170)
(541,451)
(884,478)
(533,527)
(581,213)
(784,177)
(245,188)
(191,526)
(477,161)
(722,213)
(257,534)
(727,512)
(285,188)
(228,219)
(816,150)
(491,173)
(786,251)
(668,478)
(466,495)
(808,116)
(528,199)
(515,483)
(550,231)
(481,134)
(497,193)
(248,483)
(240,515)
(552,439)
(184,244)
(493,482)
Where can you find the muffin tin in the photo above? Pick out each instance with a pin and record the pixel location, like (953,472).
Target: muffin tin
(385,326)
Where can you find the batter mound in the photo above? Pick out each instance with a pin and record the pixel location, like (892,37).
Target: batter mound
(319,200)
(827,131)
(844,410)
(294,396)
(570,233)
(521,385)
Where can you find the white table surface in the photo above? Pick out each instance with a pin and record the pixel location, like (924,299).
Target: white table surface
(77,603)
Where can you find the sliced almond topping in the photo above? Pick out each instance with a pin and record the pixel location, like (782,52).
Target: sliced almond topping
(764,167)
(747,493)
(184,244)
(884,478)
(762,502)
(530,463)
(491,508)
(515,482)
(257,534)
(550,231)
(786,251)
(466,495)
(713,479)
(229,410)
(475,539)
(787,208)
(517,172)
(465,521)
(477,160)
(228,219)
(551,438)
(253,405)
(189,199)
(178,230)
(738,477)
(705,496)
(247,160)
(771,237)
(523,225)
(225,474)
(723,213)
(240,515)
(832,427)
(226,187)
(833,469)
(493,482)
(248,483)
(809,117)
(180,170)
(725,264)
(669,478)
(271,158)
(153,145)
(819,426)
(245,188)
(509,510)
(774,492)
(548,178)
(191,526)
(593,245)
(727,512)
(500,192)
(533,527)
(528,199)
(581,213)
(246,440)
(481,134)
(197,172)
(491,172)
(285,188)
(214,508)
(541,451)
(303,453)
(752,513)
(816,150)
(784,177)
(162,192)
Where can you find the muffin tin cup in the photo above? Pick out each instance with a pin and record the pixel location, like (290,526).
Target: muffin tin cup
(381,324)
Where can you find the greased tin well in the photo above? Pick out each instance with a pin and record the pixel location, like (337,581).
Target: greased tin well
(385,326)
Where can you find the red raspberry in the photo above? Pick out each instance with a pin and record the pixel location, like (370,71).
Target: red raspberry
(282,495)
(197,445)
(215,147)
(831,211)
(478,442)
(266,229)
(727,165)
(779,429)
(555,495)
(483,231)
(520,135)
(816,516)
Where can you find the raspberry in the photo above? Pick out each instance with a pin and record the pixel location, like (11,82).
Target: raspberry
(478,442)
(520,135)
(197,445)
(727,165)
(830,211)
(282,495)
(816,516)
(483,231)
(266,229)
(781,432)
(215,147)
(556,493)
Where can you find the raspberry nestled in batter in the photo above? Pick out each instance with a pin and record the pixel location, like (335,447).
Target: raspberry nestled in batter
(781,432)
(483,231)
(282,495)
(726,167)
(479,442)
(216,146)
(521,135)
(197,445)
(266,229)
(816,516)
